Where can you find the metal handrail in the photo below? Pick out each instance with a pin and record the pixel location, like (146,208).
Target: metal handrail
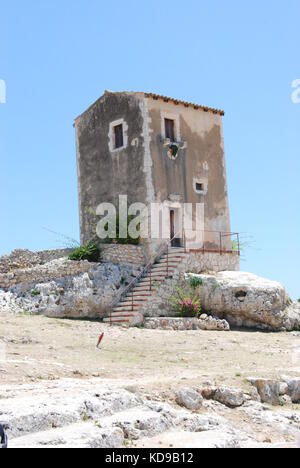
(221,234)
(131,286)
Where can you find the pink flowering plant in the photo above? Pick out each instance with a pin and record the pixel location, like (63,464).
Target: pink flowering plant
(186,305)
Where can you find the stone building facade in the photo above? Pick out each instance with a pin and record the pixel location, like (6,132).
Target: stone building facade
(154,149)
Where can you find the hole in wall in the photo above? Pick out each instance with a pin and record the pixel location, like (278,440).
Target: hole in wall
(241,295)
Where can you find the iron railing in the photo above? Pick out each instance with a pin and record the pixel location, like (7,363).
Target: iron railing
(213,242)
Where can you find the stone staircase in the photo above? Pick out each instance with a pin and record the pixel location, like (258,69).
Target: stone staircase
(142,292)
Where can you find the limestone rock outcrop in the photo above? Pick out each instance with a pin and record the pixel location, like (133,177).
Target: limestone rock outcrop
(76,289)
(248,301)
(275,391)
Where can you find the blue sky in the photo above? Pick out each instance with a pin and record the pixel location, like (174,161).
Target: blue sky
(57,57)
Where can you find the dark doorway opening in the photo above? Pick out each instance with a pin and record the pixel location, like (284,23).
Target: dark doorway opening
(175,241)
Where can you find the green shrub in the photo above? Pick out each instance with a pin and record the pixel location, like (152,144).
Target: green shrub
(195,282)
(88,251)
(186,305)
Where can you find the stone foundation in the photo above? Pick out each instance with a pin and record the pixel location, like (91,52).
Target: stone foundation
(198,262)
(123,254)
(182,324)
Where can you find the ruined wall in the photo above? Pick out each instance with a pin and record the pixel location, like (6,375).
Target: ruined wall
(52,270)
(21,259)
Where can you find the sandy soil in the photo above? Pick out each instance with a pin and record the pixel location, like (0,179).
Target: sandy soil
(38,348)
(153,363)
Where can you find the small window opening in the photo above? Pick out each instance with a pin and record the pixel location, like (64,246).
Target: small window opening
(199,187)
(170,129)
(119,137)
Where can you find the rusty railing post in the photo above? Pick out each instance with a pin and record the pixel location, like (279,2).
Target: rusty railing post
(239,244)
(132,299)
(168,261)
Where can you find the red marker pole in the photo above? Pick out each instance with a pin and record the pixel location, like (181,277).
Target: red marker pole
(100,339)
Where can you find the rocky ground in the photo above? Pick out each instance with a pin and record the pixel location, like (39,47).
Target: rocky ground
(146,388)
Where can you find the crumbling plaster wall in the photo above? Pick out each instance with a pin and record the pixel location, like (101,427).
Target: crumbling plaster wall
(203,158)
(104,174)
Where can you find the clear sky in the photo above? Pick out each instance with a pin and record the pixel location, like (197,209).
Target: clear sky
(58,56)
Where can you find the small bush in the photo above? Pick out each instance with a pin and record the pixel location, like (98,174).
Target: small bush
(88,251)
(186,305)
(195,282)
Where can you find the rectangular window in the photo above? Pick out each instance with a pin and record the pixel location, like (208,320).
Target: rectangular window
(119,138)
(170,129)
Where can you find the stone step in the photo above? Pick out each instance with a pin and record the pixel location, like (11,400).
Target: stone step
(162,268)
(154,283)
(136,300)
(116,321)
(121,316)
(122,313)
(126,308)
(173,263)
(173,258)
(142,295)
(128,303)
(157,275)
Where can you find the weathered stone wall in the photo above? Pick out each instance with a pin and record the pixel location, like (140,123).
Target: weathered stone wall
(21,259)
(198,262)
(104,173)
(123,254)
(181,324)
(43,273)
